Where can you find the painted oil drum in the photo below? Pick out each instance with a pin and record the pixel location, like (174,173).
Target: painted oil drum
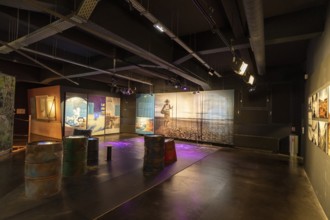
(74,155)
(170,152)
(43,169)
(92,151)
(83,132)
(153,153)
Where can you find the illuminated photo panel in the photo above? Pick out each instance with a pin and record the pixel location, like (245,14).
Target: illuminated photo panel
(204,116)
(75,112)
(145,113)
(96,114)
(218,116)
(112,115)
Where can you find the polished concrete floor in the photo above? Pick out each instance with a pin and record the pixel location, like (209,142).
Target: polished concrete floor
(207,182)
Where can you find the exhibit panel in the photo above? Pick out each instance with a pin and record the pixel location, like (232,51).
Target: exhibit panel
(205,116)
(218,116)
(7,94)
(96,114)
(45,111)
(145,113)
(100,114)
(75,112)
(112,115)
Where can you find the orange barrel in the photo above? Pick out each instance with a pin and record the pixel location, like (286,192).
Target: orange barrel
(170,152)
(93,150)
(153,153)
(43,169)
(75,155)
(84,132)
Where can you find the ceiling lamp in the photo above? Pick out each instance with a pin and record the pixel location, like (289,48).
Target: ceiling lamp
(239,66)
(159,27)
(251,80)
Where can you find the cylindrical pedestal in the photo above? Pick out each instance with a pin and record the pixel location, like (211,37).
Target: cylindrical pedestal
(75,155)
(43,169)
(83,132)
(153,153)
(93,150)
(170,152)
(109,153)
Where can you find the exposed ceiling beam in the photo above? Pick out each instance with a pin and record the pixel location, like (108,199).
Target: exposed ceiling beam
(84,12)
(38,62)
(120,42)
(273,41)
(98,70)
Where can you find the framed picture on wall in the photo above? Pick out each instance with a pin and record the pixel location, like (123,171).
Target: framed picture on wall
(315,105)
(45,107)
(323,130)
(323,103)
(315,134)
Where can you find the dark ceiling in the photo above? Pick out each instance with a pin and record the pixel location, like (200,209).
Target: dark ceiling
(115,42)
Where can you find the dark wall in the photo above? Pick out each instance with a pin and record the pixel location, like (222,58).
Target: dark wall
(265,116)
(21,102)
(317,162)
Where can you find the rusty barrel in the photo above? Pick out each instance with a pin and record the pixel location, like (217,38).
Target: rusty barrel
(153,153)
(170,152)
(43,169)
(82,132)
(93,150)
(74,155)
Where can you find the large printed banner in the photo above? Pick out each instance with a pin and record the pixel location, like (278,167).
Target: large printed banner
(98,113)
(75,112)
(112,115)
(145,113)
(207,116)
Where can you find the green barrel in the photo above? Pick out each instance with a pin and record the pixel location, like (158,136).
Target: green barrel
(74,155)
(43,169)
(92,151)
(153,153)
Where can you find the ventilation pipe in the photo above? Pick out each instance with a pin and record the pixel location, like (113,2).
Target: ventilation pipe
(255,20)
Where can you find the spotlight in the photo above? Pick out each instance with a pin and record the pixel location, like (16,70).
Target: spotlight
(177,85)
(159,27)
(184,88)
(251,80)
(239,66)
(211,72)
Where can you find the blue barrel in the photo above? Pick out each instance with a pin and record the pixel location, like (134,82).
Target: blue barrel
(43,169)
(74,155)
(153,153)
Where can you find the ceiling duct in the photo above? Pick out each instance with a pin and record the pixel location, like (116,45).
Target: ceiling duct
(83,14)
(169,33)
(255,20)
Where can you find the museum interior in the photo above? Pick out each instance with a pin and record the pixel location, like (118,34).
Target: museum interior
(178,109)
